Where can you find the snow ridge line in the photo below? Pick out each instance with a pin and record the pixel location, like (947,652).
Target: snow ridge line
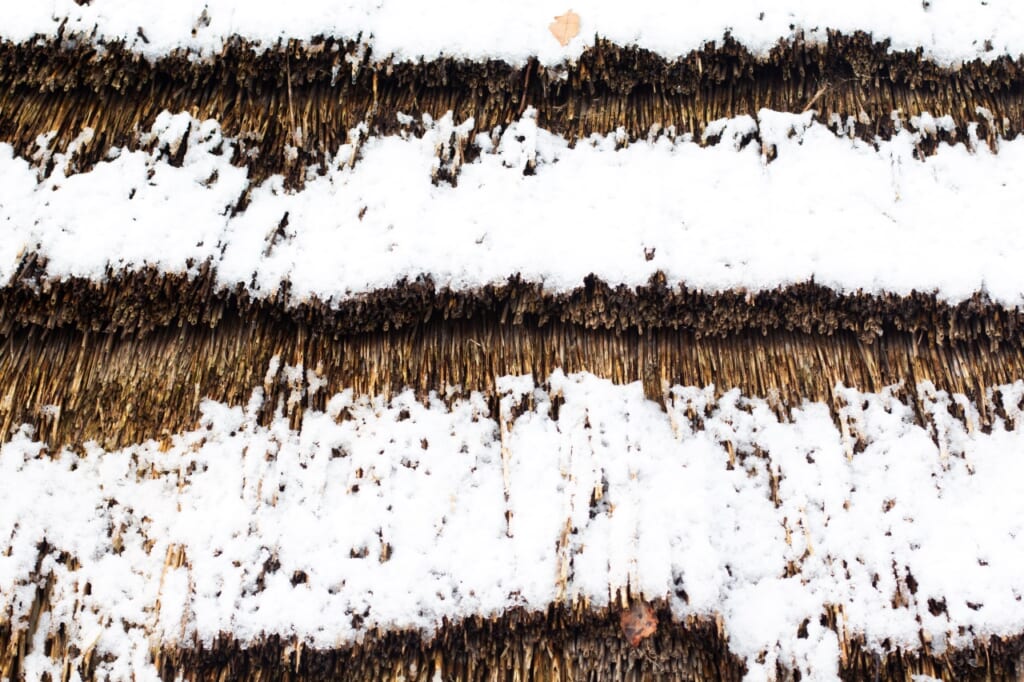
(455,144)
(391,515)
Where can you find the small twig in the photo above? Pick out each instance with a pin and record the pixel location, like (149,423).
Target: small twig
(504,416)
(291,111)
(375,92)
(821,91)
(526,85)
(658,661)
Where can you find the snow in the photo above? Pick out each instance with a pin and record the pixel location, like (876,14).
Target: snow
(394,511)
(850,214)
(950,31)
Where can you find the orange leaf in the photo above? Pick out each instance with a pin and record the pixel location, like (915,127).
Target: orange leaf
(638,623)
(565,27)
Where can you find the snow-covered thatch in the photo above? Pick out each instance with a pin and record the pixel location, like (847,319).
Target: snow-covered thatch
(383,516)
(626,339)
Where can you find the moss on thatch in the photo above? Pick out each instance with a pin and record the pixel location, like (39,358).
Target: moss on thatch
(292,105)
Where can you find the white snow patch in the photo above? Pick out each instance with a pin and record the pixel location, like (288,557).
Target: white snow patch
(950,31)
(394,513)
(804,204)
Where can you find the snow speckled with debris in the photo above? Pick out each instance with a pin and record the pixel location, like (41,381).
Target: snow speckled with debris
(392,514)
(852,215)
(949,31)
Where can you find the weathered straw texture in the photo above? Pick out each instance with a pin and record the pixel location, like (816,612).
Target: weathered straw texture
(131,358)
(120,389)
(143,300)
(292,106)
(563,644)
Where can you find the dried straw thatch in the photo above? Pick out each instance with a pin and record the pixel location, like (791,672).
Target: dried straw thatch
(131,357)
(119,388)
(563,644)
(309,95)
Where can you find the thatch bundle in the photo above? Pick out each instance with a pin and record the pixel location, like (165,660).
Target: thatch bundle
(132,356)
(309,95)
(563,644)
(123,388)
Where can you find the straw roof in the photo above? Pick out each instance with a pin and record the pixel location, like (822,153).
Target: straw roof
(653,343)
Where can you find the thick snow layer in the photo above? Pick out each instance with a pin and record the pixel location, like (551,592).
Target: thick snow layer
(395,514)
(948,30)
(852,215)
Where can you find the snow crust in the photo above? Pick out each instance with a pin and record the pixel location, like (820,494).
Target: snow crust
(849,214)
(950,31)
(392,514)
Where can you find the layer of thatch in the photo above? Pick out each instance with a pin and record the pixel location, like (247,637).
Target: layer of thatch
(134,514)
(119,388)
(144,300)
(293,105)
(132,357)
(561,645)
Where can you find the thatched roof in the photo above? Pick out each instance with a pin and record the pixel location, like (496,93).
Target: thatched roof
(373,341)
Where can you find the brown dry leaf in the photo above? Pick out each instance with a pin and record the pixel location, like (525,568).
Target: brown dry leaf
(565,27)
(638,623)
